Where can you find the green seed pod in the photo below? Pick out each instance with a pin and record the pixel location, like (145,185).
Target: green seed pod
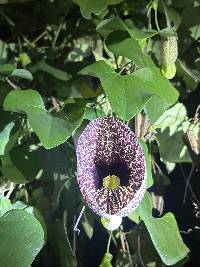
(168,50)
(106,260)
(168,71)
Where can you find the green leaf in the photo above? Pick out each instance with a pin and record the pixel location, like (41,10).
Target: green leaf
(148,163)
(5,205)
(164,233)
(92,113)
(28,236)
(24,101)
(76,88)
(73,88)
(127,94)
(115,23)
(36,213)
(172,17)
(4,135)
(57,73)
(55,129)
(140,241)
(22,73)
(6,69)
(56,166)
(20,165)
(193,23)
(89,6)
(60,241)
(118,41)
(136,33)
(59,183)
(88,229)
(107,26)
(165,94)
(33,211)
(155,107)
(13,139)
(9,130)
(5,89)
(52,129)
(191,77)
(134,217)
(173,124)
(155,80)
(40,200)
(121,44)
(25,59)
(106,261)
(167,32)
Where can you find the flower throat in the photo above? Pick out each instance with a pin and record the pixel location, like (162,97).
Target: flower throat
(111,182)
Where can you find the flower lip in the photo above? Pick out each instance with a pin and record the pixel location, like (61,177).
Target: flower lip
(106,148)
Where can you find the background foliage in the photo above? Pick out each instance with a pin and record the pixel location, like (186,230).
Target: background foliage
(64,63)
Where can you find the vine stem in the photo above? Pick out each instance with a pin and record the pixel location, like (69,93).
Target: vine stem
(10,190)
(187,182)
(39,37)
(109,240)
(127,249)
(139,252)
(12,84)
(58,32)
(156,20)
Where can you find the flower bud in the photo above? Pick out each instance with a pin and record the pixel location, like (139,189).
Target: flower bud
(168,50)
(168,56)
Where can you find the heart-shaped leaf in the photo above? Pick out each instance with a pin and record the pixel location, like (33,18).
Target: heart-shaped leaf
(52,129)
(163,231)
(22,237)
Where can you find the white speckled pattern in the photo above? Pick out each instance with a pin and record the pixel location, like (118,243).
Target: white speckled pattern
(108,142)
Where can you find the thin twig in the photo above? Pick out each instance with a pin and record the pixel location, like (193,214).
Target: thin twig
(189,186)
(155,164)
(149,18)
(122,242)
(156,20)
(12,84)
(123,68)
(58,32)
(139,252)
(187,183)
(39,37)
(128,250)
(10,190)
(116,63)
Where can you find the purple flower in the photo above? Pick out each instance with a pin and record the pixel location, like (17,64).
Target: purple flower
(111,168)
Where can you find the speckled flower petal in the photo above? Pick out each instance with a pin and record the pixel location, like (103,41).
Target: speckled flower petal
(108,147)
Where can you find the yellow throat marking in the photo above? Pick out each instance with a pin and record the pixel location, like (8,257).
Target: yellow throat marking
(111,182)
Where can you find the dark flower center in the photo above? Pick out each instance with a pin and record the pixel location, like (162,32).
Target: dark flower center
(118,169)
